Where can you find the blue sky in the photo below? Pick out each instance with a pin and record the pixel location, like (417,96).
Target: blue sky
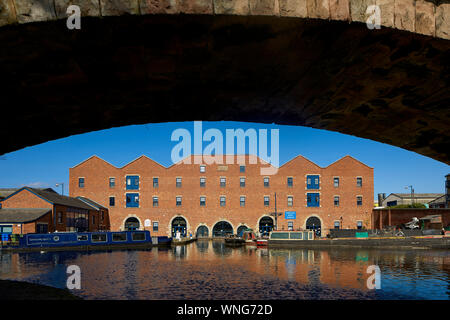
(46,164)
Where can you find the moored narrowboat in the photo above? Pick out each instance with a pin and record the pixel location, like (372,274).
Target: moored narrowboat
(283,237)
(82,241)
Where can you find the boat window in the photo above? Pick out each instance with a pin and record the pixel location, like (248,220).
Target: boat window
(310,235)
(119,237)
(296,235)
(99,237)
(82,237)
(279,235)
(138,236)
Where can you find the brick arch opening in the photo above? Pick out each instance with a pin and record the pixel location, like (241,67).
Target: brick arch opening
(314,222)
(202,231)
(131,219)
(240,229)
(222,228)
(265,224)
(178,223)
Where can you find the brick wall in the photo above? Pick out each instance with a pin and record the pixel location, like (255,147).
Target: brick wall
(97,173)
(395,217)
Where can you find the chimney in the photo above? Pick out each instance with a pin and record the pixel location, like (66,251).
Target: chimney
(381,197)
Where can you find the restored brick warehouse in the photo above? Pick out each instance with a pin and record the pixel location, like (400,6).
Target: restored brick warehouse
(31,210)
(214,199)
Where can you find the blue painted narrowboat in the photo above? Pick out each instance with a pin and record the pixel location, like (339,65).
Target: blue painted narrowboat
(85,240)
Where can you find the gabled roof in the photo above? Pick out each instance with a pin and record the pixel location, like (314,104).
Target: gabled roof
(92,203)
(418,195)
(54,198)
(22,215)
(145,158)
(5,192)
(259,160)
(348,157)
(90,158)
(438,199)
(300,157)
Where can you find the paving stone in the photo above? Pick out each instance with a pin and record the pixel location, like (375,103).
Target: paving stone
(234,7)
(34,10)
(87,7)
(405,17)
(340,9)
(425,18)
(196,6)
(119,7)
(7,14)
(318,9)
(443,21)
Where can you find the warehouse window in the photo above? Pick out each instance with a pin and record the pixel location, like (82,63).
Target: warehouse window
(242,182)
(359,224)
(112,201)
(178,201)
(223,182)
(81,182)
(178,182)
(241,168)
(222,201)
(202,169)
(336,201)
(155,182)
(266,201)
(155,201)
(312,182)
(290,181)
(202,201)
(313,200)
(359,182)
(132,200)
(336,182)
(359,201)
(155,226)
(112,182)
(202,182)
(242,201)
(132,182)
(290,201)
(266,181)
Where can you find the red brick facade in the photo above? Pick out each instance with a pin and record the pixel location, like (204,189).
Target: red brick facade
(97,172)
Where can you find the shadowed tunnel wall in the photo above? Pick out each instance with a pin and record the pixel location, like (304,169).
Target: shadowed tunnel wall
(387,85)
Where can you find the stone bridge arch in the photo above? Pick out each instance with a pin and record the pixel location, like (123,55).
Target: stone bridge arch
(255,60)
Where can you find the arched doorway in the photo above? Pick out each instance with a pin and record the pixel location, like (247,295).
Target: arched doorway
(313,223)
(222,229)
(241,230)
(202,232)
(179,224)
(131,224)
(265,226)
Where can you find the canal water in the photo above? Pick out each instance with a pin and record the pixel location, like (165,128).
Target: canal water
(211,270)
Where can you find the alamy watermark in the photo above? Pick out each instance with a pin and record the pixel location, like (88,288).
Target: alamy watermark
(74,18)
(214,151)
(74,278)
(374,280)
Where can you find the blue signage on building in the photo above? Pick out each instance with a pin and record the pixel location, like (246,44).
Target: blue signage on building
(290,215)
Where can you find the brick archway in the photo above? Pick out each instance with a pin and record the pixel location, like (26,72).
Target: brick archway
(141,226)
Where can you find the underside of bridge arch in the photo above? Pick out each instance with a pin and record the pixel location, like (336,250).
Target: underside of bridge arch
(387,85)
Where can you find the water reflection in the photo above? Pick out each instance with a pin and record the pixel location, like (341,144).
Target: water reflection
(211,270)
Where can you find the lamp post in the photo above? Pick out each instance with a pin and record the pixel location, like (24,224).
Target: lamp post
(412,193)
(62,186)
